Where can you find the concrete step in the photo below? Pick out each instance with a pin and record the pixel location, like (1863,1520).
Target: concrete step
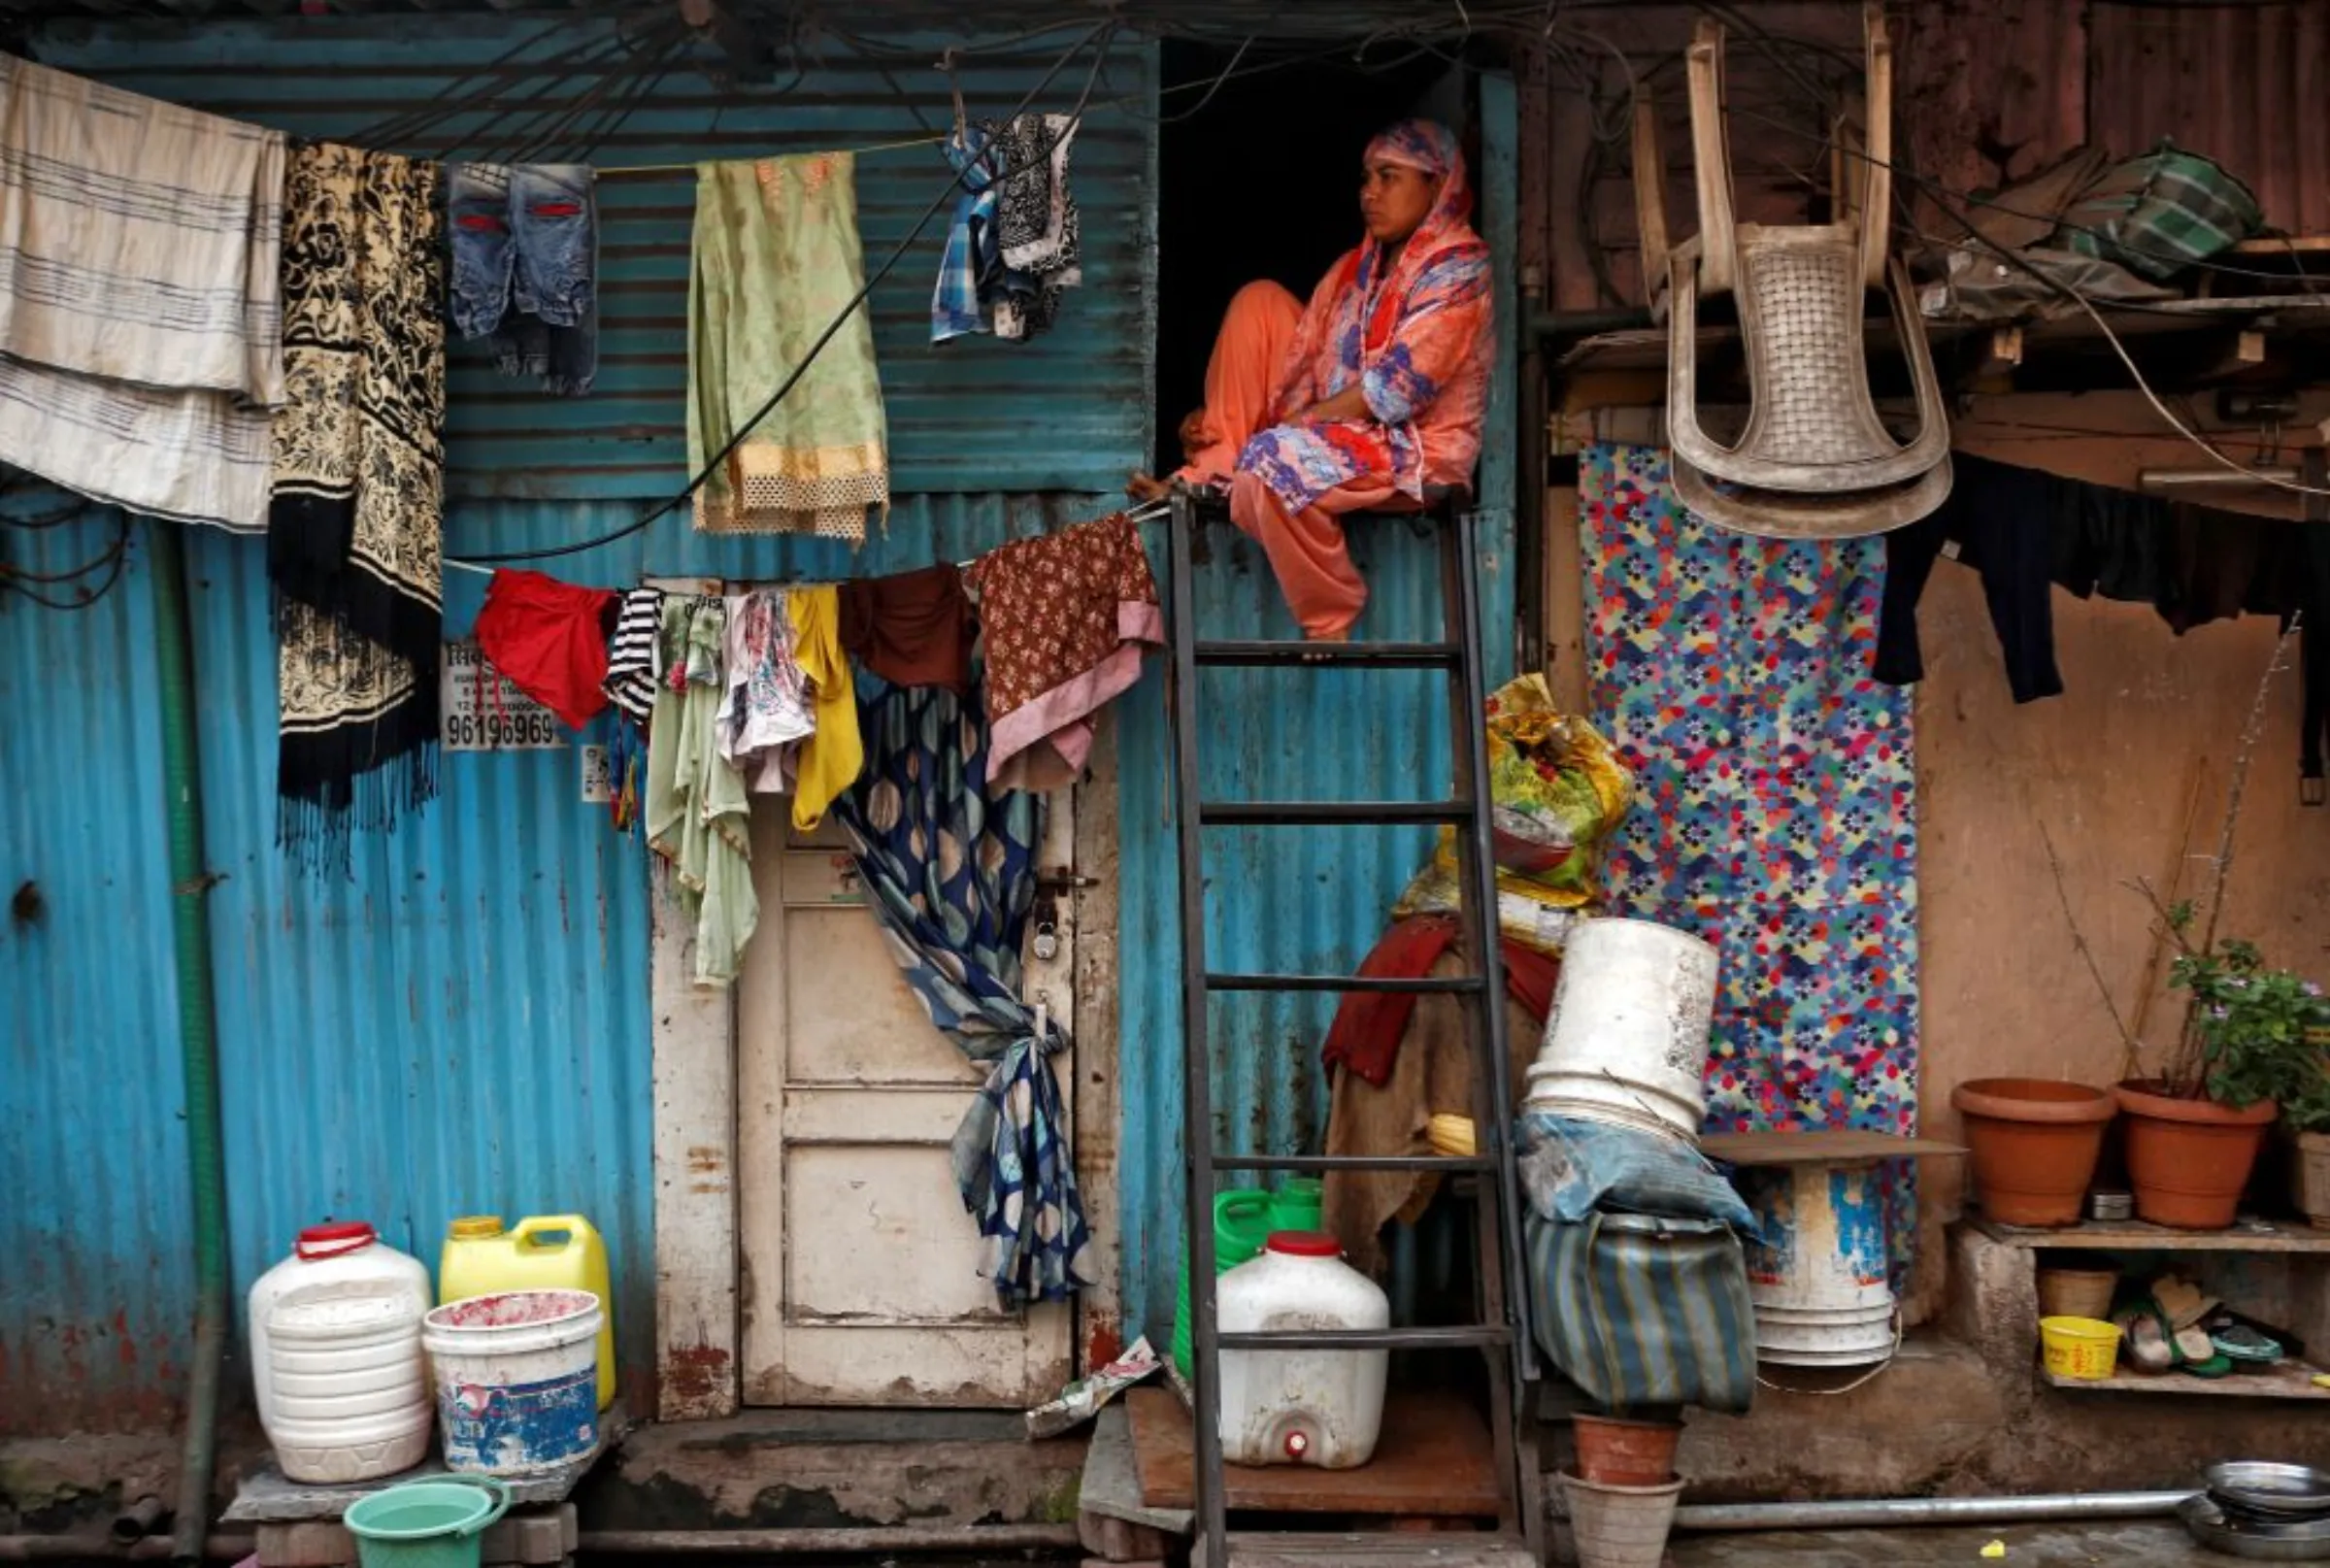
(1390,1549)
(836,1469)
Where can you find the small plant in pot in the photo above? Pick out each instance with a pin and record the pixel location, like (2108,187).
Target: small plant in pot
(2253,1037)
(2305,1117)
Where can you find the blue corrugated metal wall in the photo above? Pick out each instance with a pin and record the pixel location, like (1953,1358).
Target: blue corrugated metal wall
(1301,900)
(96,1276)
(464,1025)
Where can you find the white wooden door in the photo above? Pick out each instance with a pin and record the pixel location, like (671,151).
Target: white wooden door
(860,1270)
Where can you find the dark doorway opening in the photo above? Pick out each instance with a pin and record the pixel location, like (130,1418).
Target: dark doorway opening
(1262,182)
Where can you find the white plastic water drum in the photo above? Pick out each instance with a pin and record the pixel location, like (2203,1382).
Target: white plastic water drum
(1819,1279)
(517,1379)
(1323,1408)
(336,1357)
(1627,1039)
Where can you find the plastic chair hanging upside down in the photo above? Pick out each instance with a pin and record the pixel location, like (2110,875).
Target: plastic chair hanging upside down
(1815,460)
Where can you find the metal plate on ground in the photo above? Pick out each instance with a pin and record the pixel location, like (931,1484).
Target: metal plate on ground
(2210,1528)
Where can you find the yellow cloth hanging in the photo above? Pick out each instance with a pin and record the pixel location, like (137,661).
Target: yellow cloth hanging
(831,759)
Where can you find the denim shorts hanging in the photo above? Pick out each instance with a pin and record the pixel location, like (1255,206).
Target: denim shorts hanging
(525,268)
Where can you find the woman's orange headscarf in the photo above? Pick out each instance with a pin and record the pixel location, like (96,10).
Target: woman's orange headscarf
(1417,144)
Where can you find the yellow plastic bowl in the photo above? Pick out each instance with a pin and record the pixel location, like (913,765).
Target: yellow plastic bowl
(2085,1347)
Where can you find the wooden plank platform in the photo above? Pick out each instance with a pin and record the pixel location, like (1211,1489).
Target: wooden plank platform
(1435,1460)
(2291,1379)
(1393,1549)
(267,1496)
(2135,1236)
(1823,1147)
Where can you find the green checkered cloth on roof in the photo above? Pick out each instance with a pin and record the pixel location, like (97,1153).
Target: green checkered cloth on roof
(2161,213)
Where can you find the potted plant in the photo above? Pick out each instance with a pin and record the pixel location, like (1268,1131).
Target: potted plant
(2253,1037)
(2035,1141)
(2305,1117)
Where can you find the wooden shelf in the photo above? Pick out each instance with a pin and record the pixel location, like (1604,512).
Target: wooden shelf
(2291,1379)
(2135,1236)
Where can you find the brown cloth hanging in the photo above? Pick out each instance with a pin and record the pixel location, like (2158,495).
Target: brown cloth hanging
(1431,1075)
(913,630)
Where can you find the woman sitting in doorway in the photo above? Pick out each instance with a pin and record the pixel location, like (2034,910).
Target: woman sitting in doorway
(1366,398)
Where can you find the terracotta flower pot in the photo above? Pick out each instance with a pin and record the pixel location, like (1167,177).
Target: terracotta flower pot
(1613,1453)
(2190,1158)
(2034,1143)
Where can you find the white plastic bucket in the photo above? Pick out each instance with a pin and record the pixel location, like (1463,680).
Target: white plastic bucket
(336,1359)
(517,1379)
(1619,1527)
(1627,1039)
(1818,1279)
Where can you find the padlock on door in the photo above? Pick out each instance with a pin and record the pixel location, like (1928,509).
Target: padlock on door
(1046,918)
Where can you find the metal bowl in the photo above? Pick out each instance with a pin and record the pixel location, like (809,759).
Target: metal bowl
(2210,1527)
(2279,1491)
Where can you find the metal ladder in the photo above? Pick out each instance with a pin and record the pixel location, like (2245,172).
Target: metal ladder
(1500,1330)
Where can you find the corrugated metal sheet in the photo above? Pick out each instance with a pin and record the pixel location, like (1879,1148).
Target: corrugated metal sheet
(2248,85)
(465,1024)
(96,1274)
(1298,900)
(961,414)
(1306,900)
(462,1027)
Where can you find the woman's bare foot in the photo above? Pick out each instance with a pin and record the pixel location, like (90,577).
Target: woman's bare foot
(1144,488)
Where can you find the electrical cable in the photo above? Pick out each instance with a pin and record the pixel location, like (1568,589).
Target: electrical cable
(1100,34)
(115,558)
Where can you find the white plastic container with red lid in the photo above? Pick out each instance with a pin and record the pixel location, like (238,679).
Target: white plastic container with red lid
(1323,1408)
(336,1356)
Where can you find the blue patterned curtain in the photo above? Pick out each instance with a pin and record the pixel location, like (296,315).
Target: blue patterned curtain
(950,874)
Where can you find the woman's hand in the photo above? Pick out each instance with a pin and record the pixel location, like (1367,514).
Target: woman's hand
(1143,487)
(1196,434)
(1348,404)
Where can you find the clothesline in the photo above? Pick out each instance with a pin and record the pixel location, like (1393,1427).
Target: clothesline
(1141,514)
(691,166)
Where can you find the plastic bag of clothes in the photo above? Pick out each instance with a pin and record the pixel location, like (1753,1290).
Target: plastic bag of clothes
(2159,214)
(1558,791)
(2086,226)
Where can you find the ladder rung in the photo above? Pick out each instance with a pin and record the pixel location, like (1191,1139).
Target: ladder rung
(1354,1162)
(1416,985)
(1378,656)
(1368,1339)
(1331,813)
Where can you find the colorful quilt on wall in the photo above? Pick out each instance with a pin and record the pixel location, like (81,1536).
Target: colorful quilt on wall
(1775,798)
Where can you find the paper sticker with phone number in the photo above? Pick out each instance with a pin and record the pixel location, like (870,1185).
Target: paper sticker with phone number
(479,709)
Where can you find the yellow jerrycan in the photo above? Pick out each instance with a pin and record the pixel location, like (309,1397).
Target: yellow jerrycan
(543,1253)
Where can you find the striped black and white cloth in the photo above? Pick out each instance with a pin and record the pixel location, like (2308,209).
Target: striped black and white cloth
(141,332)
(630,683)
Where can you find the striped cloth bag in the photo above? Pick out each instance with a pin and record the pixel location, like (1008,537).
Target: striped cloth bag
(1640,1312)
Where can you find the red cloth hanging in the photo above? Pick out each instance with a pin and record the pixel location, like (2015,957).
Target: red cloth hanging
(549,639)
(1368,1025)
